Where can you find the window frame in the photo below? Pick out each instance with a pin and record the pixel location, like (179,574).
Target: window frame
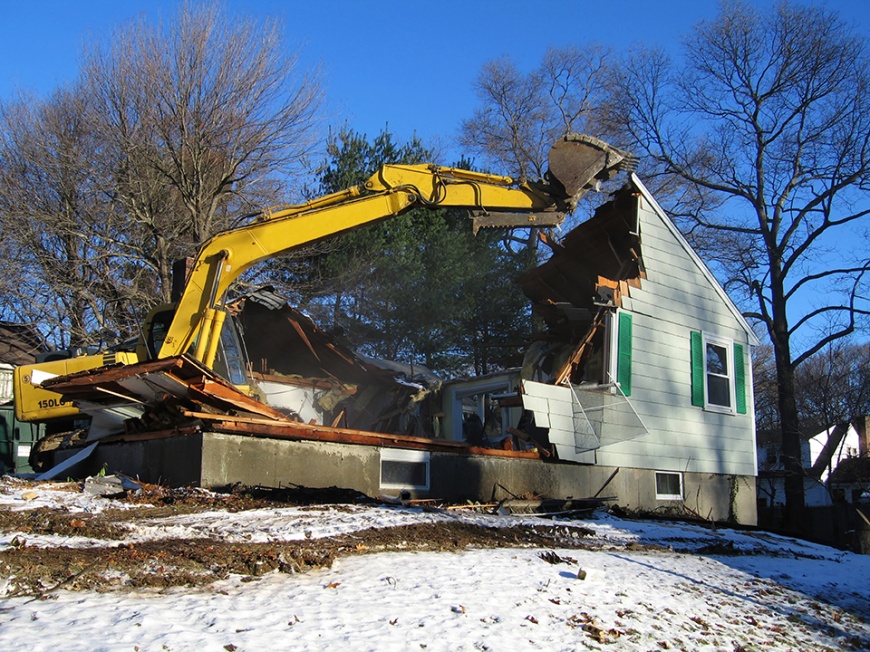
(500,385)
(728,346)
(660,496)
(739,376)
(407,456)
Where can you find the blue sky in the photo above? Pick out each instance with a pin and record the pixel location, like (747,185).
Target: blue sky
(406,65)
(409,65)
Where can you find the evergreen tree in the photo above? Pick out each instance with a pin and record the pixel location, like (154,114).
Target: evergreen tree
(419,288)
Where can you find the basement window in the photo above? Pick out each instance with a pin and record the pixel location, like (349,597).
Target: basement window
(669,486)
(404,469)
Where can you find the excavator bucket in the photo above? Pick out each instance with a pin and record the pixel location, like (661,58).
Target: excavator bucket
(579,162)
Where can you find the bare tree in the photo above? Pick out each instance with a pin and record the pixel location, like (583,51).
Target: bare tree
(200,121)
(767,117)
(833,386)
(57,270)
(522,115)
(509,128)
(765,389)
(170,134)
(832,391)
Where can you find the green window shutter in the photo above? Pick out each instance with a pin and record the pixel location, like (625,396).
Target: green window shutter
(739,378)
(697,369)
(623,354)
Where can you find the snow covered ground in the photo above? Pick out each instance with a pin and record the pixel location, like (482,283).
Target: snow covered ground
(645,586)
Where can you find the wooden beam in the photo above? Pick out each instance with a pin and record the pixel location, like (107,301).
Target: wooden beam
(249,426)
(581,350)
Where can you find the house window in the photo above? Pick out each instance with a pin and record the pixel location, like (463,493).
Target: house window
(404,469)
(669,486)
(610,359)
(718,374)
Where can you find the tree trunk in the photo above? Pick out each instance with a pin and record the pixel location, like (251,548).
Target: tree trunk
(791,448)
(788,412)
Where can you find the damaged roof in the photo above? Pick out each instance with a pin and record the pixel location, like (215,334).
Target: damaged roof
(600,260)
(599,253)
(289,342)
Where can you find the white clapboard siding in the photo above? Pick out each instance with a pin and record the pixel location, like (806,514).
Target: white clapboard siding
(555,406)
(679,295)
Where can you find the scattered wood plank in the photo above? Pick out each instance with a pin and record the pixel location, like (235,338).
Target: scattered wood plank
(472,506)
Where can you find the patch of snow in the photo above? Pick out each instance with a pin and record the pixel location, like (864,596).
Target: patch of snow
(480,599)
(18,495)
(777,594)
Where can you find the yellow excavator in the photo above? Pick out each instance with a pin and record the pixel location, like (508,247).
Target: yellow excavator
(195,325)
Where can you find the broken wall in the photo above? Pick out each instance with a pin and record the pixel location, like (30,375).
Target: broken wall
(309,374)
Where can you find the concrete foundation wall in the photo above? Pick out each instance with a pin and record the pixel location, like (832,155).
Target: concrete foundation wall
(174,462)
(709,496)
(227,459)
(217,460)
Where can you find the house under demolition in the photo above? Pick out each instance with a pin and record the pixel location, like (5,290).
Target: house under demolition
(637,390)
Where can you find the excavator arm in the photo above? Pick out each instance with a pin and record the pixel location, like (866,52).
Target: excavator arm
(390,192)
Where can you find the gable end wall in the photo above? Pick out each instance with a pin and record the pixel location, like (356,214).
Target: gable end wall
(676,298)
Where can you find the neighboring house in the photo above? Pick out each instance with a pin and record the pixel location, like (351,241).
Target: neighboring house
(850,481)
(829,459)
(771,474)
(644,365)
(828,449)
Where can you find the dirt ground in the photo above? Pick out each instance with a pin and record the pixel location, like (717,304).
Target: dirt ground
(195,562)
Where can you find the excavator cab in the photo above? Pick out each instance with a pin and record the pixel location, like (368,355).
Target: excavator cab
(231,361)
